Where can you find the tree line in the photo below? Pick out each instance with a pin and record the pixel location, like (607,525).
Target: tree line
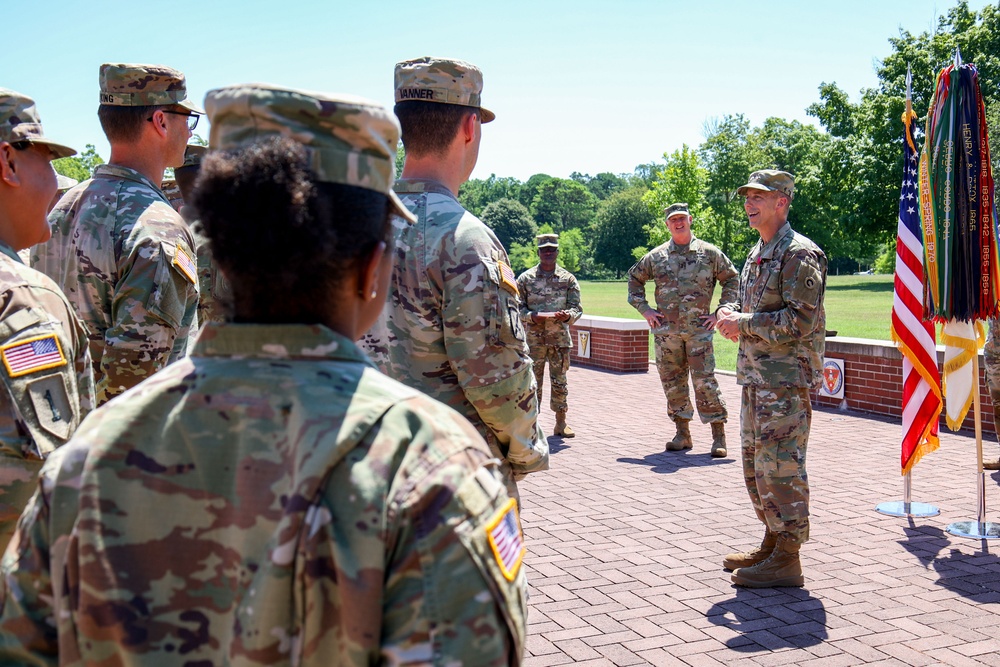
(847,172)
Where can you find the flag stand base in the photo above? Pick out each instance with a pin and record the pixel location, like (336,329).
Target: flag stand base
(901,508)
(904,507)
(981,529)
(976,530)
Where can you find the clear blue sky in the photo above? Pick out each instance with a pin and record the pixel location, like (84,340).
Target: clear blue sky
(585,86)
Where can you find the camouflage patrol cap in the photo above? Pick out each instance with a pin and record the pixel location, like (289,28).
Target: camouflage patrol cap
(19,121)
(547,240)
(350,140)
(441,80)
(770,180)
(193,155)
(128,85)
(64,183)
(676,209)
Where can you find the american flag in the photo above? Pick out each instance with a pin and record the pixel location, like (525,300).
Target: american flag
(921,378)
(505,538)
(32,355)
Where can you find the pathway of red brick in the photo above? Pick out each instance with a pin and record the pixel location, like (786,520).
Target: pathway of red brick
(626,541)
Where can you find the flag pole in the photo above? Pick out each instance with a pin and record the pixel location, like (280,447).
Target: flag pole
(907,507)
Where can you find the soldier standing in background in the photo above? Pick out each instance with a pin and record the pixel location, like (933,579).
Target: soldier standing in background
(780,324)
(273,498)
(124,258)
(453,326)
(550,302)
(214,292)
(47,375)
(685,270)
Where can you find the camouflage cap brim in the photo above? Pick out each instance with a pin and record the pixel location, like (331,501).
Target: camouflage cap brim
(191,106)
(60,150)
(742,190)
(64,183)
(487,115)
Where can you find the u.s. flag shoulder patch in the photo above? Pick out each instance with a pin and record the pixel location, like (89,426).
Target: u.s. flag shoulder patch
(504,532)
(31,355)
(507,278)
(186,265)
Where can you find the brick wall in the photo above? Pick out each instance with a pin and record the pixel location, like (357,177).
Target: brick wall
(616,343)
(873,381)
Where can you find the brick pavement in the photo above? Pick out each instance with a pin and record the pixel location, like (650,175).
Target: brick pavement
(626,541)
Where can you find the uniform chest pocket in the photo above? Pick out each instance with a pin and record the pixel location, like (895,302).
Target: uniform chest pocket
(501,305)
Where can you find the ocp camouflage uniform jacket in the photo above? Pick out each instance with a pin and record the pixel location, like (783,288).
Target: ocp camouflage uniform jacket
(685,278)
(125,260)
(452,326)
(783,325)
(48,380)
(543,292)
(272,499)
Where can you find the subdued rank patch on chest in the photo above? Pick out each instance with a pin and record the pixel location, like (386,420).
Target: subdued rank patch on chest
(507,278)
(504,531)
(34,354)
(183,262)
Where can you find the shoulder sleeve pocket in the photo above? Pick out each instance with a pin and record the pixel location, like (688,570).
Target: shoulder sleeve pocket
(175,284)
(501,306)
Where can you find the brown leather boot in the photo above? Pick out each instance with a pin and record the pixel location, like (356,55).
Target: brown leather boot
(561,428)
(682,439)
(747,558)
(781,568)
(718,439)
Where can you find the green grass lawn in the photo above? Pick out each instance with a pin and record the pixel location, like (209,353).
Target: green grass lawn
(856,306)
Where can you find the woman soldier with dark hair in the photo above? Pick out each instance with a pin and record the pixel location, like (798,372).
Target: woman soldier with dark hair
(273,498)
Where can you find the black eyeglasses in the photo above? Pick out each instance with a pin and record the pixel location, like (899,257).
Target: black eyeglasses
(192,118)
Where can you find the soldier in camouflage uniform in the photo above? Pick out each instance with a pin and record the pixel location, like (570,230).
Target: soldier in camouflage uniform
(453,326)
(48,381)
(214,292)
(780,324)
(991,358)
(122,255)
(685,271)
(305,508)
(550,302)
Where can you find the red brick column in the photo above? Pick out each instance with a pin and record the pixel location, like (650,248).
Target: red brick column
(873,380)
(616,343)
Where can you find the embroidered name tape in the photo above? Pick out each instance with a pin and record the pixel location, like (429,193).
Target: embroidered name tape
(34,354)
(504,532)
(507,278)
(183,262)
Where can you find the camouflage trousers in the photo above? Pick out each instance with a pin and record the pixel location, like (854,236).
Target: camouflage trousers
(774,428)
(558,360)
(677,356)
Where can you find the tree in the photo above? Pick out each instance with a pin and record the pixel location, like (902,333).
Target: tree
(80,167)
(619,226)
(530,188)
(603,185)
(510,221)
(476,194)
(400,158)
(564,204)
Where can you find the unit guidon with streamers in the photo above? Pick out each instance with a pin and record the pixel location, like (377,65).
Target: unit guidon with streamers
(34,354)
(505,538)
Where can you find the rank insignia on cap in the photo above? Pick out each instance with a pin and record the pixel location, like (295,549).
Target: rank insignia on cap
(34,354)
(183,262)
(504,532)
(507,278)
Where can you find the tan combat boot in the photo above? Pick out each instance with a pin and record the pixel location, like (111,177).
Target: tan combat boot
(747,558)
(682,439)
(781,568)
(718,439)
(561,428)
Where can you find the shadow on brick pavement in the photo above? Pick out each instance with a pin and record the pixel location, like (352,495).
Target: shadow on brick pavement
(625,543)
